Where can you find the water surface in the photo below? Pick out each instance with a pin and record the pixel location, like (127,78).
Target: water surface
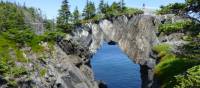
(112,66)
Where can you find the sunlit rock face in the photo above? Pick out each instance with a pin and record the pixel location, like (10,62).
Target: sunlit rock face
(135,35)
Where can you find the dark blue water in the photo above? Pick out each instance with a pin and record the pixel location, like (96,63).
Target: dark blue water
(112,66)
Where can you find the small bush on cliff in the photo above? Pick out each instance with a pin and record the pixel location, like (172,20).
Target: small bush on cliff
(174,27)
(170,65)
(18,71)
(189,79)
(43,72)
(175,8)
(133,11)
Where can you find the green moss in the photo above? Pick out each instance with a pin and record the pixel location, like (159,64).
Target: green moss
(170,67)
(168,56)
(162,49)
(187,38)
(43,72)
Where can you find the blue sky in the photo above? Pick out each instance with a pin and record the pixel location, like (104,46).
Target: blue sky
(50,7)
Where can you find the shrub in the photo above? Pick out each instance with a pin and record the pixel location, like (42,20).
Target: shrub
(191,50)
(52,36)
(174,8)
(19,56)
(174,27)
(18,71)
(3,67)
(19,36)
(11,16)
(43,72)
(171,66)
(133,11)
(190,79)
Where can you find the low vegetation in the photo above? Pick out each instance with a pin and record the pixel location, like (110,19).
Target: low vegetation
(170,64)
(68,20)
(181,26)
(162,49)
(15,34)
(173,8)
(181,69)
(188,79)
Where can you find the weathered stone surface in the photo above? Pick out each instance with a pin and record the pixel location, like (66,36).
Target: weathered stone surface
(64,66)
(135,36)
(68,64)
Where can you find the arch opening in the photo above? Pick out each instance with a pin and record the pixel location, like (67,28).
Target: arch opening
(111,65)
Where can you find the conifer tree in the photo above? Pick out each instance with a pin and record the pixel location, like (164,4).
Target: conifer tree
(89,10)
(64,16)
(101,6)
(122,5)
(76,16)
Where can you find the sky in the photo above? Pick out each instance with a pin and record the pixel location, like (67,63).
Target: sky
(50,7)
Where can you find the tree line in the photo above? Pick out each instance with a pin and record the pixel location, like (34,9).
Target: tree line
(185,9)
(67,19)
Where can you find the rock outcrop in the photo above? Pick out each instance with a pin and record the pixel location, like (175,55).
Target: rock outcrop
(67,65)
(135,35)
(64,65)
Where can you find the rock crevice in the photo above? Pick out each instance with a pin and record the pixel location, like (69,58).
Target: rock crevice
(135,36)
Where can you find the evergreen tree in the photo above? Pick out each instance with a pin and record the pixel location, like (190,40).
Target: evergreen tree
(101,6)
(89,10)
(115,8)
(64,16)
(76,16)
(122,5)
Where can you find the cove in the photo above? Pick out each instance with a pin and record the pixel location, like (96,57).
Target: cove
(111,65)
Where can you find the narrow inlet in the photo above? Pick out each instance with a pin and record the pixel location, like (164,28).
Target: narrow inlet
(111,65)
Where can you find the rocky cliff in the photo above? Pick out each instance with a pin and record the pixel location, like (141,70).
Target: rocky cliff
(67,63)
(64,65)
(135,35)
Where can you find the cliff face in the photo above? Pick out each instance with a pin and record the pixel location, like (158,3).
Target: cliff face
(135,35)
(54,68)
(67,64)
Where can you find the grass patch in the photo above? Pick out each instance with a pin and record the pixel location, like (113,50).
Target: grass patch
(162,49)
(170,65)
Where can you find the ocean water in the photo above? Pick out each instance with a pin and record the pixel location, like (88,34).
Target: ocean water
(112,65)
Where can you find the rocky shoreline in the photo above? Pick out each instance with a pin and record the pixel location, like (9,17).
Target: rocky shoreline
(67,65)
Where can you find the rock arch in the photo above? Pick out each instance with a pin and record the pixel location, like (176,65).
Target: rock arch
(135,35)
